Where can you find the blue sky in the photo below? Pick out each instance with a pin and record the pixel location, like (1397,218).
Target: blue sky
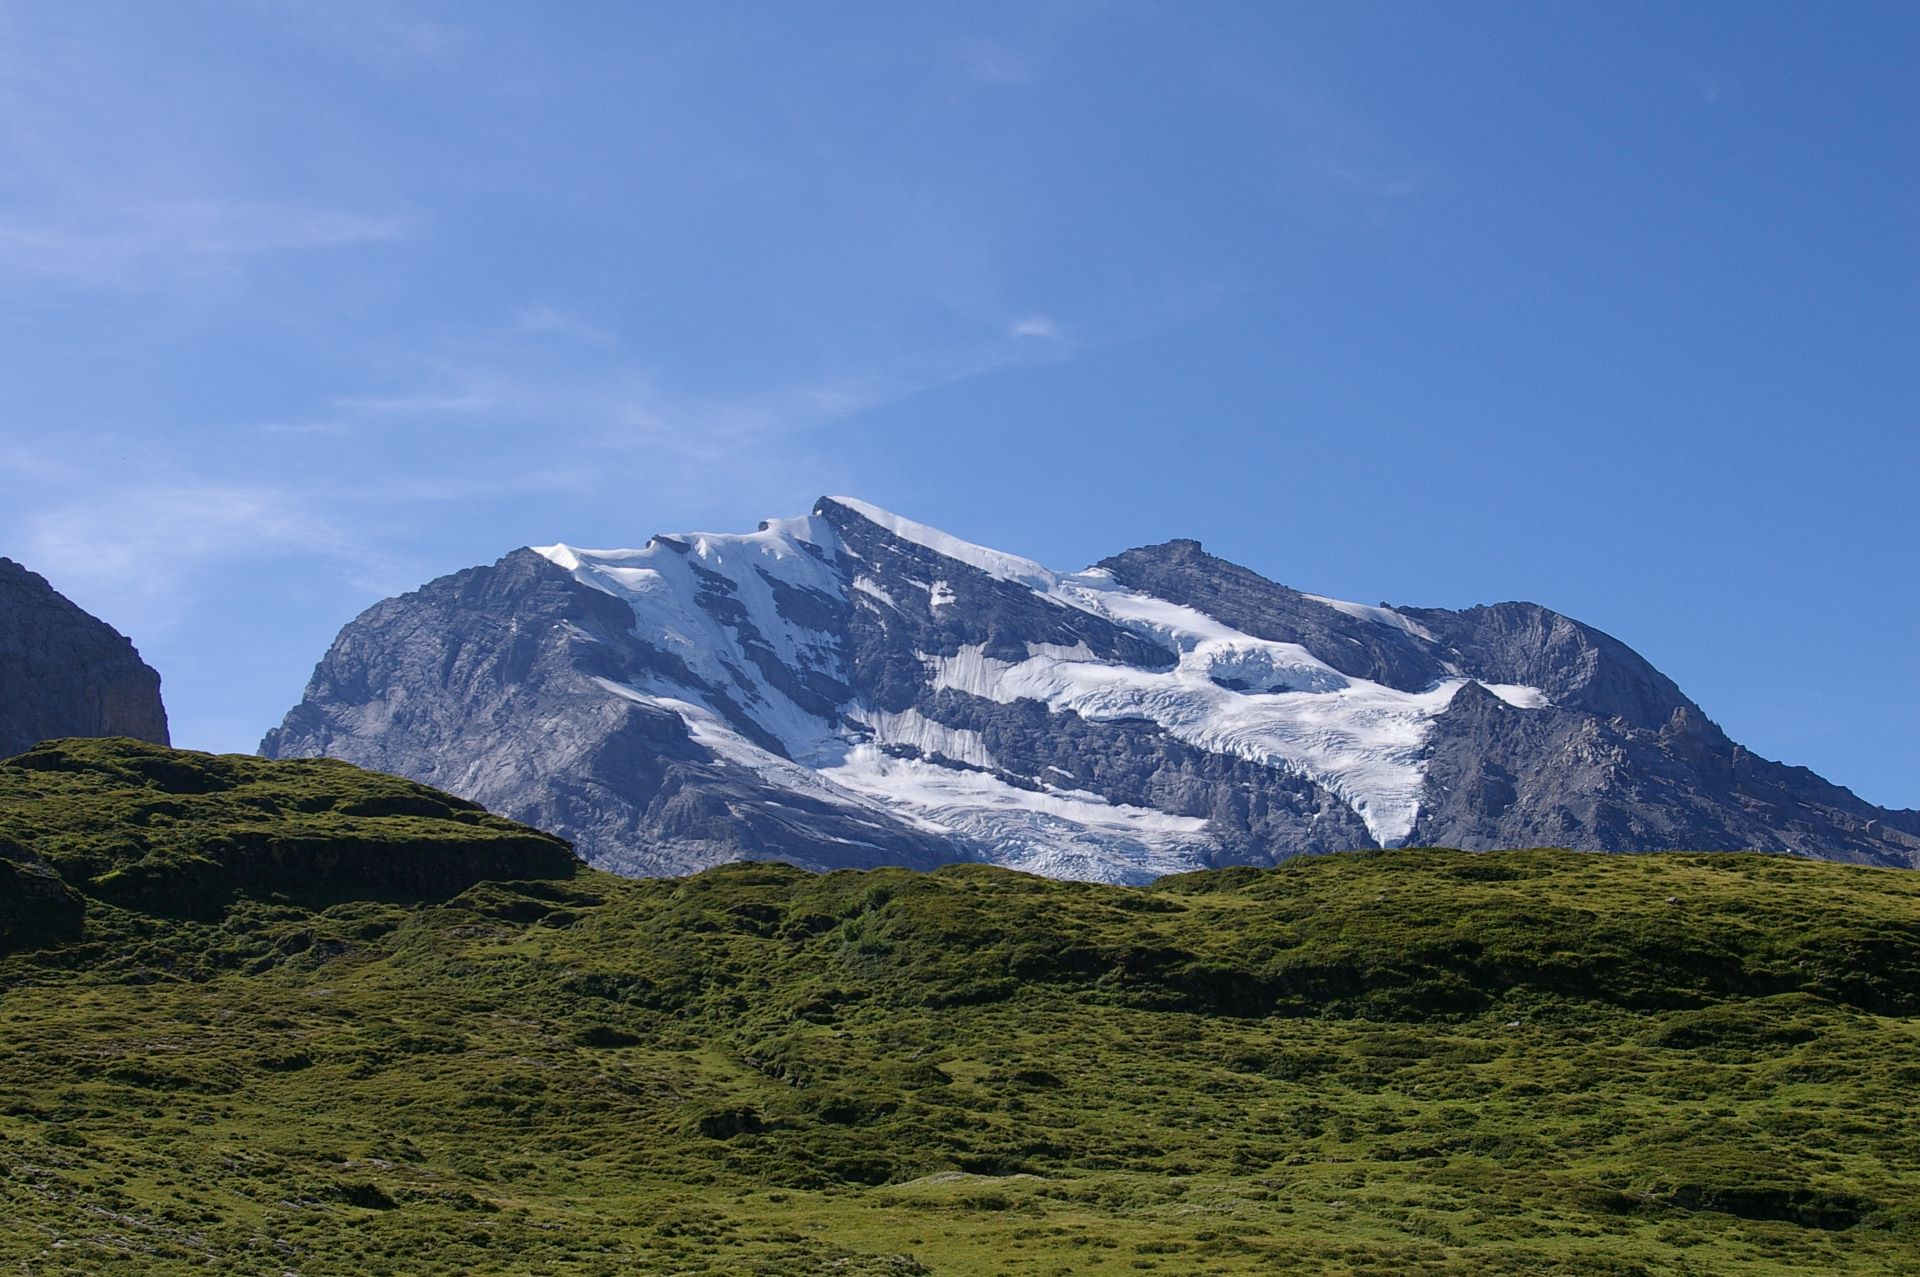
(1613,307)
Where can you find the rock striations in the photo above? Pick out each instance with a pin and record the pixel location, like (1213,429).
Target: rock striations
(850,689)
(64,672)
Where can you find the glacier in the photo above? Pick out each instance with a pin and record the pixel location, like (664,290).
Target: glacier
(1272,703)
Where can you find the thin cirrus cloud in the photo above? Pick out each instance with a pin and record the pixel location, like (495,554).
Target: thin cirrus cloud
(374,33)
(420,404)
(552,321)
(1040,326)
(140,542)
(503,381)
(145,243)
(121,171)
(148,535)
(148,545)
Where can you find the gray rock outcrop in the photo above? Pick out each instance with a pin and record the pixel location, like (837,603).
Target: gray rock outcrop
(64,672)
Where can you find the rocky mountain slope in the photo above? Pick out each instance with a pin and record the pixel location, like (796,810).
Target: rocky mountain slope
(64,672)
(851,688)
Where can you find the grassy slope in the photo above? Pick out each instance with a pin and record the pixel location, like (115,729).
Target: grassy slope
(266,1049)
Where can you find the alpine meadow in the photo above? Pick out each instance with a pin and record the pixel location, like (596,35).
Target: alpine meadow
(262,1017)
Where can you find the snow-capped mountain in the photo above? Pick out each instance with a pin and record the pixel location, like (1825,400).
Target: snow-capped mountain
(851,688)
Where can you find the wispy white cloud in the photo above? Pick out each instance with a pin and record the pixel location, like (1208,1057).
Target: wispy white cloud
(38,466)
(552,321)
(503,382)
(112,176)
(141,542)
(1375,184)
(140,244)
(419,403)
(1040,326)
(317,429)
(615,408)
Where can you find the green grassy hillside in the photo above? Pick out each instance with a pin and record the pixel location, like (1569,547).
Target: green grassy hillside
(283,1018)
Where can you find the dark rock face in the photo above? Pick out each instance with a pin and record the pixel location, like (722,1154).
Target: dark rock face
(887,646)
(66,673)
(851,689)
(1501,775)
(1576,665)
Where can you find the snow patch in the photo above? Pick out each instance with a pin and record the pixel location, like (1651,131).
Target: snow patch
(1272,703)
(1361,740)
(867,585)
(558,553)
(1519,695)
(1261,667)
(1379,616)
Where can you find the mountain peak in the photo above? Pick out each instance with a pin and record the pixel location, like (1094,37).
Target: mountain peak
(853,687)
(1178,548)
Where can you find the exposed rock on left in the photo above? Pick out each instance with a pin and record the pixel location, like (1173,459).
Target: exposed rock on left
(64,672)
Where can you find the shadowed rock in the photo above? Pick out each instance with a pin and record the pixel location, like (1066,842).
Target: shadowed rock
(64,672)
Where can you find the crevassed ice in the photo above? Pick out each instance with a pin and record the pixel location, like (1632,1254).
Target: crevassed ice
(1061,834)
(1361,740)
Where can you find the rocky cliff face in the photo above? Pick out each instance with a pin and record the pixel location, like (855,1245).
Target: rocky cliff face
(851,688)
(66,673)
(505,685)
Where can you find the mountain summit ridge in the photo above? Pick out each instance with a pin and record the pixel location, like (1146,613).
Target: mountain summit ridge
(852,688)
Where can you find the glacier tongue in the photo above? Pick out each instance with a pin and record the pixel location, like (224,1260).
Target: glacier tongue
(1062,834)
